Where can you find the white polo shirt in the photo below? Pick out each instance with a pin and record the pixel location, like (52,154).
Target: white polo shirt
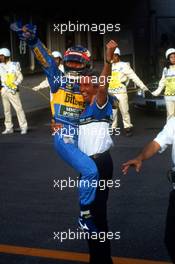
(94,135)
(167,137)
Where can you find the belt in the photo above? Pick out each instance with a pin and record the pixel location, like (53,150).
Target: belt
(97,155)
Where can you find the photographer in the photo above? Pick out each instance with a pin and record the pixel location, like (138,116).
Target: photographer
(159,144)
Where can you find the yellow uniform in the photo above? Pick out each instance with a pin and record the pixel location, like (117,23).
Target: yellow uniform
(11,77)
(121,74)
(167,83)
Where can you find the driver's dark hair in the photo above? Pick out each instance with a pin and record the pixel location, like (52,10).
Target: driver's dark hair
(90,72)
(93,73)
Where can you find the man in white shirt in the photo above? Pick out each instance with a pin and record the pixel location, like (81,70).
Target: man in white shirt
(165,138)
(11,77)
(95,141)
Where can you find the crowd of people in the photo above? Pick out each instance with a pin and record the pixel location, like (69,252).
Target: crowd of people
(81,105)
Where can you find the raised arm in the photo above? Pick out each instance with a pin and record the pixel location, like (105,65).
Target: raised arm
(103,80)
(42,54)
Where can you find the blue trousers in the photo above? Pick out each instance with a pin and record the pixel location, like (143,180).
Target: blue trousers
(83,164)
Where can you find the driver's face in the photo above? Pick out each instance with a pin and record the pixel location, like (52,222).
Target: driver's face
(75,64)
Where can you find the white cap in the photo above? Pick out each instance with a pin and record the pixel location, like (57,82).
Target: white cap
(5,52)
(57,54)
(169,52)
(117,51)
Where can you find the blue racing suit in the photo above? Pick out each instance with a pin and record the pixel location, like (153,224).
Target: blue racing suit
(66,105)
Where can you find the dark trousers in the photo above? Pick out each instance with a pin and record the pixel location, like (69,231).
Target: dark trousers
(170,227)
(100,252)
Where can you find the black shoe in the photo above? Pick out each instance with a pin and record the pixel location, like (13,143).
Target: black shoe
(128,131)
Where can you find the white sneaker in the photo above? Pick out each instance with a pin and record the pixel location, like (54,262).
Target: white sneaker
(7,131)
(23,131)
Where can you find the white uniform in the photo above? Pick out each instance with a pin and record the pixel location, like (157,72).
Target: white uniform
(45,83)
(167,137)
(11,77)
(121,74)
(167,82)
